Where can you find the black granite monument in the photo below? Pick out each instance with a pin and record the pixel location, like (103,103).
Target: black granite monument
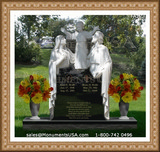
(78,104)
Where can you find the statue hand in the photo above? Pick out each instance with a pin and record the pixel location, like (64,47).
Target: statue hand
(98,75)
(50,62)
(63,30)
(96,28)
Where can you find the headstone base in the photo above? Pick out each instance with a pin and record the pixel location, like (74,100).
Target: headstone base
(44,123)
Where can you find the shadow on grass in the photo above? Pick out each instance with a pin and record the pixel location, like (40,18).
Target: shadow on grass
(139,132)
(22,65)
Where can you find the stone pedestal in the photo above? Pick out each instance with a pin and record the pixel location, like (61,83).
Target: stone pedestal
(46,124)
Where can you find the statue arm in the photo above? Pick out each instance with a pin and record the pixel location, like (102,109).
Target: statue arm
(68,34)
(96,28)
(60,60)
(104,59)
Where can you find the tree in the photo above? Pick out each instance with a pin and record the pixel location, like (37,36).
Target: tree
(122,34)
(43,28)
(25,51)
(54,26)
(28,22)
(120,30)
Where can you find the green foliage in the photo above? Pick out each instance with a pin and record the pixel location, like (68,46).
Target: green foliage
(122,34)
(28,22)
(45,56)
(123,27)
(27,53)
(54,26)
(142,72)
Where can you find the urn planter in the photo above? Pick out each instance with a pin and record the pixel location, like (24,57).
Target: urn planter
(123,108)
(34,110)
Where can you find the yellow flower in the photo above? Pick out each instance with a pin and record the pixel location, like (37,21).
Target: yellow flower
(37,98)
(26,98)
(46,85)
(38,83)
(116,97)
(35,77)
(126,76)
(115,82)
(136,84)
(131,76)
(112,82)
(127,97)
(25,83)
(128,81)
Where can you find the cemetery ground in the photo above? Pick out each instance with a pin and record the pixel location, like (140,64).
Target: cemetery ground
(121,64)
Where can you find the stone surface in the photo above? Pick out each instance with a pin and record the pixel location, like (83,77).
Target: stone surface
(46,124)
(78,96)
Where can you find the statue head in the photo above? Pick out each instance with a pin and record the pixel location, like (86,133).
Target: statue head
(98,37)
(79,26)
(60,40)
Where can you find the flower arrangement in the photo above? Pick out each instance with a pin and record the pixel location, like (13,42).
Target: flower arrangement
(125,87)
(34,88)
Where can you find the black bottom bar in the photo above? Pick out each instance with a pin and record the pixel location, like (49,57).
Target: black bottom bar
(44,123)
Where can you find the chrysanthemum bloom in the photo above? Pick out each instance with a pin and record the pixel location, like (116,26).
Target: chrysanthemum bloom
(25,83)
(131,76)
(38,83)
(116,82)
(37,98)
(136,84)
(116,97)
(128,82)
(127,97)
(35,77)
(46,85)
(126,76)
(26,98)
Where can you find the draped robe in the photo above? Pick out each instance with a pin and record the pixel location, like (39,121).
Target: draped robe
(101,65)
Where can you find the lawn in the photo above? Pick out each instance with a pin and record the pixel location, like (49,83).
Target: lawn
(22,110)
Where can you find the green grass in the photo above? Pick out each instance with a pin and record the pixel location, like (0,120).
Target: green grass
(22,110)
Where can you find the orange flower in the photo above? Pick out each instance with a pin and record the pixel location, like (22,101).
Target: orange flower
(22,90)
(36,87)
(112,90)
(136,94)
(118,88)
(46,95)
(121,77)
(127,86)
(28,89)
(51,89)
(123,93)
(141,88)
